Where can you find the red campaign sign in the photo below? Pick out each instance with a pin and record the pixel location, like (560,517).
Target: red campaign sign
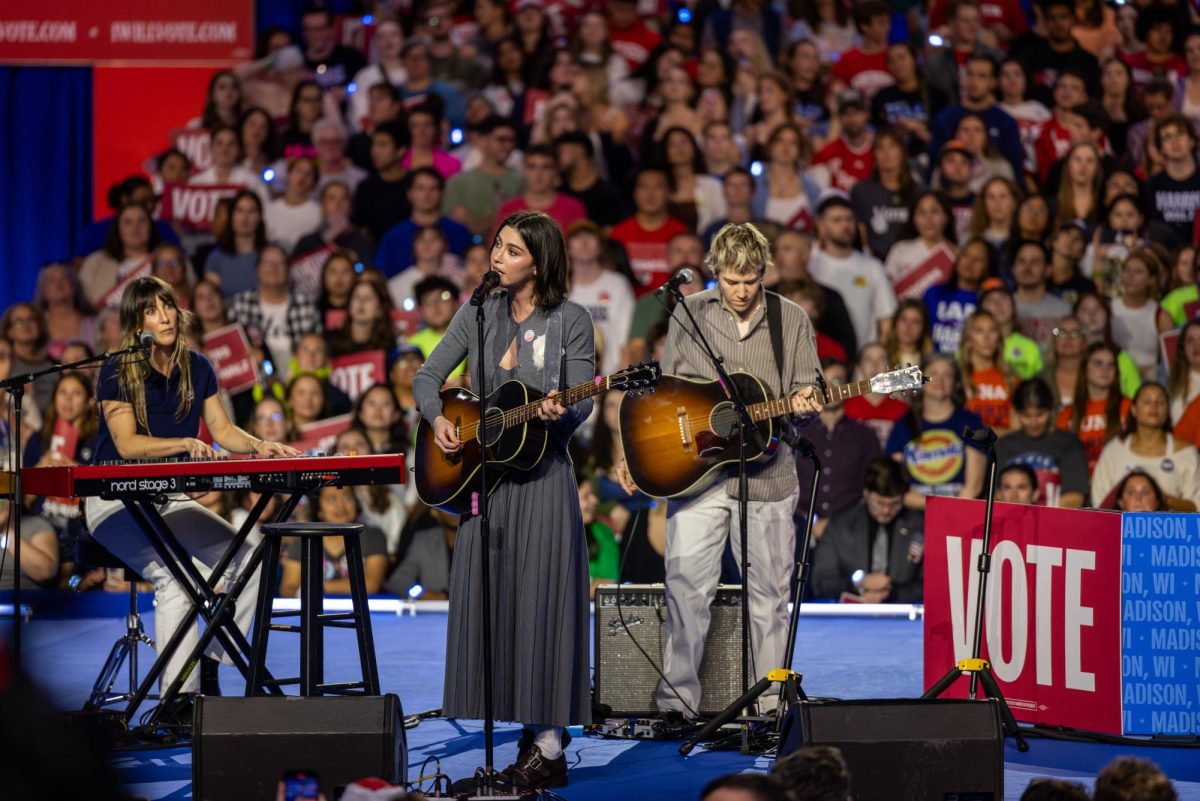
(58,31)
(406,323)
(65,440)
(935,270)
(1168,343)
(1052,628)
(192,205)
(229,351)
(112,298)
(193,143)
(305,273)
(322,435)
(1191,310)
(355,373)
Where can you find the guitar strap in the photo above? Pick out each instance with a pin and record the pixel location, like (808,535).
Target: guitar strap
(775,326)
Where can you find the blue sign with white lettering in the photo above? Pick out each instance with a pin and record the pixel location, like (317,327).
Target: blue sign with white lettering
(1160,610)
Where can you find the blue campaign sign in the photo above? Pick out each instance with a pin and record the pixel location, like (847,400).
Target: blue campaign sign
(1160,609)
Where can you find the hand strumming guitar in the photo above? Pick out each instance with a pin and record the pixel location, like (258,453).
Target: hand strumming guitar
(621,473)
(445,437)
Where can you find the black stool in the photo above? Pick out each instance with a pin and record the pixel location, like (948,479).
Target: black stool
(313,619)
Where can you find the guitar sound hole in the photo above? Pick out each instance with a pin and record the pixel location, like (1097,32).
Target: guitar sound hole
(723,420)
(495,426)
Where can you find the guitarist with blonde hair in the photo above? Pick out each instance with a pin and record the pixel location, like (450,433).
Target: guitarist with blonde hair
(760,333)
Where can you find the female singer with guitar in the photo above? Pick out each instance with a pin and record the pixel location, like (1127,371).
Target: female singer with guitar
(150,408)
(538,549)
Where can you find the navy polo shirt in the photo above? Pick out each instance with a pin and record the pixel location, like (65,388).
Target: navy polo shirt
(162,402)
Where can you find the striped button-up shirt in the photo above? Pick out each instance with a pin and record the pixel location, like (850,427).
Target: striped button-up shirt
(751,353)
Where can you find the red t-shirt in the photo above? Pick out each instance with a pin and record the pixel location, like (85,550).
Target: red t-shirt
(1173,70)
(634,43)
(647,250)
(992,13)
(991,399)
(1052,144)
(880,419)
(565,210)
(829,348)
(847,165)
(1091,427)
(866,72)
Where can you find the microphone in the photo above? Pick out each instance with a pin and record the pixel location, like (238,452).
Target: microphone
(146,340)
(491,279)
(984,436)
(684,276)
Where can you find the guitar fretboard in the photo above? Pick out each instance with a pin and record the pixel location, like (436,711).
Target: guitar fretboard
(777,407)
(528,411)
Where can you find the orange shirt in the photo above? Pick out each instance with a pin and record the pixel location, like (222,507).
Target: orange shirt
(1092,427)
(1187,427)
(990,399)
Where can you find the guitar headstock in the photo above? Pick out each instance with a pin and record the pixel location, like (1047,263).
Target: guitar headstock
(902,379)
(637,379)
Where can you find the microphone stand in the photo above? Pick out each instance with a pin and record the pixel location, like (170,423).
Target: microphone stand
(484,784)
(746,429)
(976,667)
(16,388)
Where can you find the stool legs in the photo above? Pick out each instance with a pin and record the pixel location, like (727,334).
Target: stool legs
(312,606)
(262,617)
(358,593)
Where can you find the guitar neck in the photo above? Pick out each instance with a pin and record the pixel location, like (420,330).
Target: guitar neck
(528,411)
(777,407)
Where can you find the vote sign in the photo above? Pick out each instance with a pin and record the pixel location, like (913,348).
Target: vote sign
(1052,623)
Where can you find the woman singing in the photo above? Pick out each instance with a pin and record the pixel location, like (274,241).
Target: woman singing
(538,550)
(150,408)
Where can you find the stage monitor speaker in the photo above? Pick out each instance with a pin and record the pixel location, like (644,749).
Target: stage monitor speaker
(625,681)
(908,750)
(241,746)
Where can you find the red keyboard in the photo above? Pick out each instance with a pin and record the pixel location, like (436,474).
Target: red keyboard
(142,479)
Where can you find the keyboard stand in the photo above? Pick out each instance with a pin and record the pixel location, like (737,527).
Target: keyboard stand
(216,609)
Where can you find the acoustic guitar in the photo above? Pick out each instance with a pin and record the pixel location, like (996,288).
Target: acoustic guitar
(516,439)
(679,440)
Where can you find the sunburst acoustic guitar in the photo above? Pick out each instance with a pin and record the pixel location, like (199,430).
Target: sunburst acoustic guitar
(516,438)
(679,439)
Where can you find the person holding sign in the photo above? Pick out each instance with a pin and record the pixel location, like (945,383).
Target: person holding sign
(151,408)
(126,253)
(539,552)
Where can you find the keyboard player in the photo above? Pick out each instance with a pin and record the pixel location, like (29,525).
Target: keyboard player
(150,408)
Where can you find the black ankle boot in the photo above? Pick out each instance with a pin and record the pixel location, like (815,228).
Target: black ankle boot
(209,682)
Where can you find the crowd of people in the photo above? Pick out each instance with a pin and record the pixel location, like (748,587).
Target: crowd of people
(1002,194)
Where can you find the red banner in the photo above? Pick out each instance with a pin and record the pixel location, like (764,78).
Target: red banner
(322,435)
(936,269)
(193,205)
(112,298)
(355,373)
(193,143)
(57,31)
(406,322)
(1052,628)
(229,351)
(65,439)
(305,274)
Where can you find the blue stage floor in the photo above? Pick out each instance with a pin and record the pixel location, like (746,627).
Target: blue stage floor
(865,658)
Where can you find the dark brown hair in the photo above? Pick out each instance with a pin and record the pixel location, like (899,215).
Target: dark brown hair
(544,239)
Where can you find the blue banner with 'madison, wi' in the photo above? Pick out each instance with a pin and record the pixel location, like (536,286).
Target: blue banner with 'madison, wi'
(1160,613)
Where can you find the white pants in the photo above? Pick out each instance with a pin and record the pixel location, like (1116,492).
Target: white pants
(697,529)
(205,536)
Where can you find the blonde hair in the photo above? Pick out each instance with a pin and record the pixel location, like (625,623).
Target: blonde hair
(739,248)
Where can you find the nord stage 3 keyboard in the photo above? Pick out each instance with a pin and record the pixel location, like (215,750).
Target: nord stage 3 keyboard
(118,480)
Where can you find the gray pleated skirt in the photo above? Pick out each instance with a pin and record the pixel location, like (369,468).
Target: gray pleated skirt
(539,604)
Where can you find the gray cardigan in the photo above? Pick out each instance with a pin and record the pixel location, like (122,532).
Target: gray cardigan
(460,340)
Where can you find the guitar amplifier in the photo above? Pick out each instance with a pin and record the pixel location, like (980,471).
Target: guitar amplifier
(625,679)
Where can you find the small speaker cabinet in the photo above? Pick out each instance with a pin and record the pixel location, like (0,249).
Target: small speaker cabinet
(242,746)
(625,680)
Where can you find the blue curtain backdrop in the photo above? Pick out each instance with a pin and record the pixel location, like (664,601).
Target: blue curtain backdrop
(46,163)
